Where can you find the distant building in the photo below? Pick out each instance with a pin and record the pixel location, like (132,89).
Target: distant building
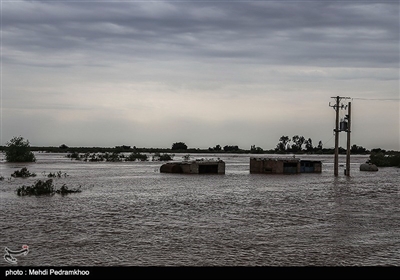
(283,166)
(202,166)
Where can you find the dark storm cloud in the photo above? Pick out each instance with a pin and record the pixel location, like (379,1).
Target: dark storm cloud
(320,33)
(202,71)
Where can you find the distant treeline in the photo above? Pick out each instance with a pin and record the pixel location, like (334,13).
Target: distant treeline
(286,145)
(217,149)
(19,150)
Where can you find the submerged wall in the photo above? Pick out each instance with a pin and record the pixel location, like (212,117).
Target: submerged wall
(194,167)
(310,166)
(284,166)
(274,165)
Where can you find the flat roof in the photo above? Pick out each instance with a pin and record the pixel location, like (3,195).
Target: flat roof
(276,158)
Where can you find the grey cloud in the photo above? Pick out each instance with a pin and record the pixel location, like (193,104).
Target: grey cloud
(66,62)
(323,33)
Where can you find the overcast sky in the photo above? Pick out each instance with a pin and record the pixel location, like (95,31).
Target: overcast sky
(151,73)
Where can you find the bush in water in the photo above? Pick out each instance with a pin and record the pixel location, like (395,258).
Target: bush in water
(44,187)
(23,173)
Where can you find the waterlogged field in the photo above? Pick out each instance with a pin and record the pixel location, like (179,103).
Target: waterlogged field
(130,214)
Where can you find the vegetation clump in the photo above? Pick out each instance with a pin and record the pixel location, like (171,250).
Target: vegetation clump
(381,159)
(256,150)
(162,157)
(18,150)
(59,174)
(113,157)
(110,157)
(296,144)
(74,155)
(23,173)
(136,156)
(94,157)
(217,148)
(186,157)
(64,190)
(39,188)
(44,187)
(179,146)
(232,148)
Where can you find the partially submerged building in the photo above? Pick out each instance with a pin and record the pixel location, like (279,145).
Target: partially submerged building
(274,165)
(202,166)
(284,166)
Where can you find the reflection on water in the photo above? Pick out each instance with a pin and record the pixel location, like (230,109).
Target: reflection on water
(130,214)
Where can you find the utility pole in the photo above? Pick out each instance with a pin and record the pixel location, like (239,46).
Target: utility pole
(348,139)
(337,130)
(336,162)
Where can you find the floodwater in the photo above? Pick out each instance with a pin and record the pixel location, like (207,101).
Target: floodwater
(130,214)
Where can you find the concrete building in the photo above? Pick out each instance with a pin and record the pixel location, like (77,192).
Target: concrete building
(202,166)
(284,166)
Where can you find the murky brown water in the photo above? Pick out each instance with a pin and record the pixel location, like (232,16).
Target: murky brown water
(129,214)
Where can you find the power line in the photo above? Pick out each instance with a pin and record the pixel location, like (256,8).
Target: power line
(377,99)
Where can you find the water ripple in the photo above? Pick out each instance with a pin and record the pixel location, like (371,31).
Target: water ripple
(130,215)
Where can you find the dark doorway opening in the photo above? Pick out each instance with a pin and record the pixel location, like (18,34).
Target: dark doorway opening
(209,168)
(306,166)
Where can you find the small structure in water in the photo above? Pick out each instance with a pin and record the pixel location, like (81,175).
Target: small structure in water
(274,165)
(200,166)
(368,167)
(284,166)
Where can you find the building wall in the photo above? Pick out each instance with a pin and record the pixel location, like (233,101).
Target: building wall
(274,166)
(192,167)
(188,168)
(171,168)
(318,167)
(310,166)
(221,167)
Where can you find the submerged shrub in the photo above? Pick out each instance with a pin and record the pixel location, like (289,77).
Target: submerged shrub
(64,190)
(186,157)
(39,188)
(74,155)
(136,156)
(113,157)
(44,187)
(94,157)
(382,160)
(23,173)
(162,157)
(59,174)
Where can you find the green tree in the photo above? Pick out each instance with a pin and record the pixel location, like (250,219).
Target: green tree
(228,148)
(63,147)
(179,146)
(358,149)
(283,142)
(18,150)
(298,142)
(256,150)
(309,145)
